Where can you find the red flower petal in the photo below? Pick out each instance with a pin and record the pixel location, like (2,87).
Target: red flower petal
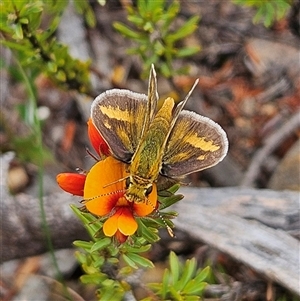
(71,182)
(121,238)
(96,139)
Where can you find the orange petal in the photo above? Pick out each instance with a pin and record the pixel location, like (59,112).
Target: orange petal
(145,208)
(126,222)
(102,189)
(110,226)
(71,182)
(96,139)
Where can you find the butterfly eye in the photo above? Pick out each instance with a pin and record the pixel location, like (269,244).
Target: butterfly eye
(127,182)
(148,190)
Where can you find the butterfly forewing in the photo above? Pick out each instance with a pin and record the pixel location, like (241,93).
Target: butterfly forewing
(119,115)
(152,100)
(195,143)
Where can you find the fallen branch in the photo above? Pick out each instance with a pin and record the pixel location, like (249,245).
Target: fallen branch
(239,222)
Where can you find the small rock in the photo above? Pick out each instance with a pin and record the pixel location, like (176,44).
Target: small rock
(286,175)
(17,179)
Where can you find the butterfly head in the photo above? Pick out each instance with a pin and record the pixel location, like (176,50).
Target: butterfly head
(138,189)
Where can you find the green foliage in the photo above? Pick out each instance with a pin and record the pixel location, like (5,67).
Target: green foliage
(100,257)
(267,11)
(36,48)
(181,281)
(36,51)
(155,35)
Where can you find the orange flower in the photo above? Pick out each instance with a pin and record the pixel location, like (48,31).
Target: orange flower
(96,139)
(71,182)
(104,196)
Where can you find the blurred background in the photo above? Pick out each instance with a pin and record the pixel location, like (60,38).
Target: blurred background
(56,57)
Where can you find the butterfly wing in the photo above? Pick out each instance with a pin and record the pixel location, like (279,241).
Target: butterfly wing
(195,143)
(119,117)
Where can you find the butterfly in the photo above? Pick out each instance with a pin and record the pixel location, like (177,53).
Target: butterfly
(168,142)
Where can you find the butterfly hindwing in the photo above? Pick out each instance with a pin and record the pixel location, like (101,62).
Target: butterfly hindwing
(195,143)
(119,117)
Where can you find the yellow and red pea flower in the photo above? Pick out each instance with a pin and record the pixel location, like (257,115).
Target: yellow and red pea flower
(104,196)
(71,182)
(103,192)
(96,139)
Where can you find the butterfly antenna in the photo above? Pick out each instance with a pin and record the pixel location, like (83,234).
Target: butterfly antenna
(101,195)
(169,229)
(117,181)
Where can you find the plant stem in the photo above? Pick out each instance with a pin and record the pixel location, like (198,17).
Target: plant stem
(38,134)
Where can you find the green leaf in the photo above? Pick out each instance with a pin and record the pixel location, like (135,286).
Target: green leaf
(191,298)
(142,8)
(34,8)
(30,9)
(259,14)
(35,22)
(148,233)
(148,27)
(90,17)
(23,20)
(174,293)
(113,260)
(114,291)
(129,261)
(165,70)
(81,258)
(187,51)
(96,278)
(51,29)
(282,9)
(101,244)
(61,76)
(174,267)
(137,20)
(99,262)
(88,221)
(18,32)
(113,250)
(126,31)
(168,201)
(52,67)
(14,45)
(86,245)
(89,269)
(194,287)
(185,30)
(203,275)
(18,4)
(165,284)
(187,273)
(155,5)
(169,17)
(140,249)
(141,261)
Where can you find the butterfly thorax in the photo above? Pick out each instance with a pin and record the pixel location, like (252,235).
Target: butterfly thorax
(138,189)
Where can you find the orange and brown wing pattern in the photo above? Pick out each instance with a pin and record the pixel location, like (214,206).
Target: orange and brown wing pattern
(195,143)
